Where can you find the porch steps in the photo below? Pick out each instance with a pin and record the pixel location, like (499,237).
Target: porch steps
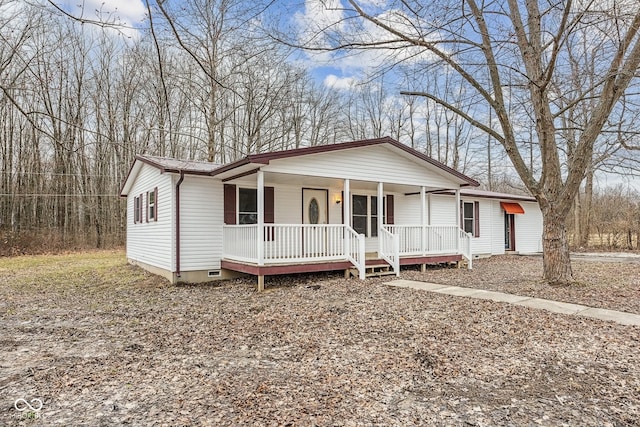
(374,269)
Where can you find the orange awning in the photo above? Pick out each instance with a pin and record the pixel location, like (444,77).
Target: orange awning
(512,208)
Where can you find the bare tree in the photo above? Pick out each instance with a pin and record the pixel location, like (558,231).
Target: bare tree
(508,52)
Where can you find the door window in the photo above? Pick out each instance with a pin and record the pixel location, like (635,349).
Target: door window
(314,211)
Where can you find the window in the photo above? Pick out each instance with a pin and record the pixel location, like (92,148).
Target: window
(247,206)
(136,210)
(470,218)
(151,205)
(364,217)
(140,214)
(359,216)
(241,205)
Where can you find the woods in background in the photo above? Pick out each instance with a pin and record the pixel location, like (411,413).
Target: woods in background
(78,101)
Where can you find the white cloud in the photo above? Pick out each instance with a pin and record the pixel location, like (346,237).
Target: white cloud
(316,20)
(125,15)
(324,24)
(342,83)
(125,11)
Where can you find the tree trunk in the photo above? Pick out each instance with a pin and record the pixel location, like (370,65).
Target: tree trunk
(556,261)
(585,218)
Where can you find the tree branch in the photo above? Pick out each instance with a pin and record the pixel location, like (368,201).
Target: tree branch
(457,111)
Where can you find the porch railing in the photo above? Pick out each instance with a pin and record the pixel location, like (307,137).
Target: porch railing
(239,242)
(294,243)
(423,240)
(300,243)
(390,245)
(284,243)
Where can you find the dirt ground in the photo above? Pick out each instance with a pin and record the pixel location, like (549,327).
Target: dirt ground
(102,343)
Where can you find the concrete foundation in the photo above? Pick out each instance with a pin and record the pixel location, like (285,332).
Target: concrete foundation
(198,276)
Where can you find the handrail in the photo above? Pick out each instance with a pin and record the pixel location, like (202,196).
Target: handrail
(465,247)
(390,249)
(355,250)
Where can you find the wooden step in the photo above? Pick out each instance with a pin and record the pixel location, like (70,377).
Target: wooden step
(380,273)
(374,270)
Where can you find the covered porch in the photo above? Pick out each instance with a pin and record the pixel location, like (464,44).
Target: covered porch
(342,224)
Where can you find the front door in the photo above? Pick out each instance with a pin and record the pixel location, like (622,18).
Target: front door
(509,232)
(314,206)
(314,211)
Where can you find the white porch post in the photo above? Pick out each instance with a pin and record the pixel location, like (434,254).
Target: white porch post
(346,206)
(380,216)
(429,210)
(260,237)
(423,220)
(458,218)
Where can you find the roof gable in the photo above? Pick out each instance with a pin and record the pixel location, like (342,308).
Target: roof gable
(256,160)
(375,163)
(253,161)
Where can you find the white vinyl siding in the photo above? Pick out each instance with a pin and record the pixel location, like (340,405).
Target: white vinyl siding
(201,219)
(151,242)
(482,245)
(443,210)
(374,164)
(287,202)
(529,229)
(407,209)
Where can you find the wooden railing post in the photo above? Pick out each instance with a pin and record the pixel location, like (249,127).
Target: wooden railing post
(346,206)
(460,226)
(380,215)
(423,221)
(260,236)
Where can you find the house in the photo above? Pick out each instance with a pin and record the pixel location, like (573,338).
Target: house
(363,207)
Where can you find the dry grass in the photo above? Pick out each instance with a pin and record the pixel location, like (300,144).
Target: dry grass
(104,343)
(47,241)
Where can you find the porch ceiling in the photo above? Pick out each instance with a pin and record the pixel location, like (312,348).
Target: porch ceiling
(322,182)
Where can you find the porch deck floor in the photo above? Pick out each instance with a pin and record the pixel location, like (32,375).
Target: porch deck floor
(314,267)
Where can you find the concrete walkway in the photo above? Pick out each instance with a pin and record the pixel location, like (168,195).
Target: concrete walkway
(539,303)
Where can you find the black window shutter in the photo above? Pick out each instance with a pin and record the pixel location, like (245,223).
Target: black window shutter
(269,205)
(390,209)
(269,211)
(229,204)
